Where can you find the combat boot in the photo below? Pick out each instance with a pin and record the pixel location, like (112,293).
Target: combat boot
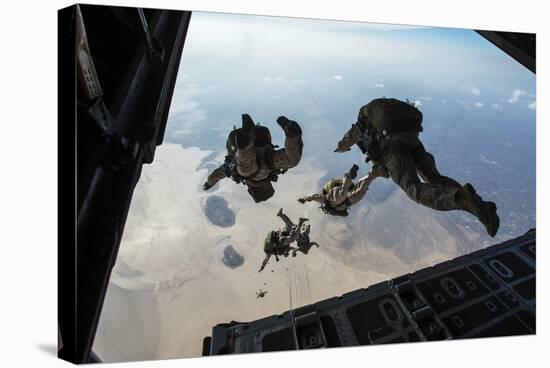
(291,128)
(468,200)
(248,124)
(352,173)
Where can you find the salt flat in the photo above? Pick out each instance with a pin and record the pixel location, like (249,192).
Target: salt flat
(170,286)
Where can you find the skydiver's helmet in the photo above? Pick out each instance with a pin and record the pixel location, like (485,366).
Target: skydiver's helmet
(230,144)
(271,241)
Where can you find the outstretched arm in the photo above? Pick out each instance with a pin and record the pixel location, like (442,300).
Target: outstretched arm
(291,155)
(352,136)
(314,197)
(363,184)
(215,176)
(264,263)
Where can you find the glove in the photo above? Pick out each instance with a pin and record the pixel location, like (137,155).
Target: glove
(290,127)
(339,150)
(282,121)
(301,200)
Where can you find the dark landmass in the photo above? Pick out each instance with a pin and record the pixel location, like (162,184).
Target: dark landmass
(218,212)
(232,258)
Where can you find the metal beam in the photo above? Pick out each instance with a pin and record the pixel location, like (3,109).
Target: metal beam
(520,46)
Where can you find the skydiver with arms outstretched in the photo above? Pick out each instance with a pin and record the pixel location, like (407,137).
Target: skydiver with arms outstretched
(253,160)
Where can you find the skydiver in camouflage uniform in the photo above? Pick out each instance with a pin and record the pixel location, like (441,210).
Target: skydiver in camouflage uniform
(298,233)
(292,232)
(398,149)
(254,161)
(303,241)
(278,243)
(339,194)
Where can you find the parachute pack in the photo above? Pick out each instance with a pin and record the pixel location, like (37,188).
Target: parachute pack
(393,115)
(260,190)
(262,135)
(326,207)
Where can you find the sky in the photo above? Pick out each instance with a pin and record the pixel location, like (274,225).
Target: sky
(478,103)
(326,70)
(479,122)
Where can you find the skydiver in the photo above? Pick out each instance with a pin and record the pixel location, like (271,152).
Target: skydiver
(278,243)
(254,161)
(387,131)
(303,241)
(298,233)
(338,195)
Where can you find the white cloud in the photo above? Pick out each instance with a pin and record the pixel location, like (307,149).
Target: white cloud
(425,98)
(282,81)
(417,103)
(271,79)
(496,106)
(478,104)
(486,160)
(338,77)
(186,113)
(515,96)
(184,99)
(533,105)
(380,85)
(464,104)
(297,82)
(474,90)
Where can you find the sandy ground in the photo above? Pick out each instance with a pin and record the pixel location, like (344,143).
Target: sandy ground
(170,286)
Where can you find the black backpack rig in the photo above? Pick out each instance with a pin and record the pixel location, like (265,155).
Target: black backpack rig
(260,190)
(383,116)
